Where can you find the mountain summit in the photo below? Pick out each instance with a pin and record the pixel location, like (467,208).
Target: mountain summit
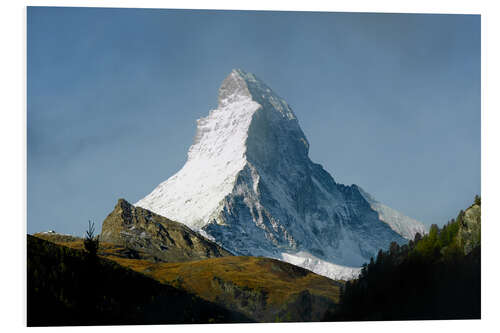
(249,185)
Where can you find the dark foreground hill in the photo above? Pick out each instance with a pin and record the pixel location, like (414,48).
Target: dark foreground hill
(68,287)
(437,276)
(262,289)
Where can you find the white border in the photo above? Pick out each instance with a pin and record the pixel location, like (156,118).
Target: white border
(422,6)
(13,164)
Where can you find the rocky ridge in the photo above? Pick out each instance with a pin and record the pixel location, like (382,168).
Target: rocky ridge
(469,232)
(165,240)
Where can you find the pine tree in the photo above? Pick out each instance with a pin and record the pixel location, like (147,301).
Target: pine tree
(91,242)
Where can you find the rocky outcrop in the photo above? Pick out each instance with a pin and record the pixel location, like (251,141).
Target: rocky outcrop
(139,229)
(469,233)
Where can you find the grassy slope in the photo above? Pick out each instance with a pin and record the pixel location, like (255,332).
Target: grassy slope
(67,287)
(263,289)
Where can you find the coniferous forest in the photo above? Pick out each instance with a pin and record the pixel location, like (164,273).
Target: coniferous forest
(437,276)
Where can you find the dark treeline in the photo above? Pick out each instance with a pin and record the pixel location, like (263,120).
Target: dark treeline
(437,276)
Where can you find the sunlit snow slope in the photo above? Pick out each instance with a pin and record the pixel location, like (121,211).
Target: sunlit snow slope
(400,223)
(249,184)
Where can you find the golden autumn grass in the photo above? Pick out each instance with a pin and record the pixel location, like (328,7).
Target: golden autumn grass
(105,249)
(277,279)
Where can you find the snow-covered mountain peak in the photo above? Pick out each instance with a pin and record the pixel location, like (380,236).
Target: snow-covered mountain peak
(251,120)
(243,85)
(233,88)
(249,185)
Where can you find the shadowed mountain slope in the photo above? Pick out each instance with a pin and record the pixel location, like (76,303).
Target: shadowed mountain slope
(67,287)
(262,289)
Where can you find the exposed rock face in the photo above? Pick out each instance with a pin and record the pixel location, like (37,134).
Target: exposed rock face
(250,185)
(141,230)
(469,233)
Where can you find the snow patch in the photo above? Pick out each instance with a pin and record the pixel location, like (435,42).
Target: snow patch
(321,267)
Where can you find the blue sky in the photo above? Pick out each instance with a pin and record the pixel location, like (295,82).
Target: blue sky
(390,102)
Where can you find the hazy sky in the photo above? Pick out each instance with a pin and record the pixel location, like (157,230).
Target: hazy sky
(390,102)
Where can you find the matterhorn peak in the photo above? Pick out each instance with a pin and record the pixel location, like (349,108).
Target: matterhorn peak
(242,85)
(233,87)
(249,185)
